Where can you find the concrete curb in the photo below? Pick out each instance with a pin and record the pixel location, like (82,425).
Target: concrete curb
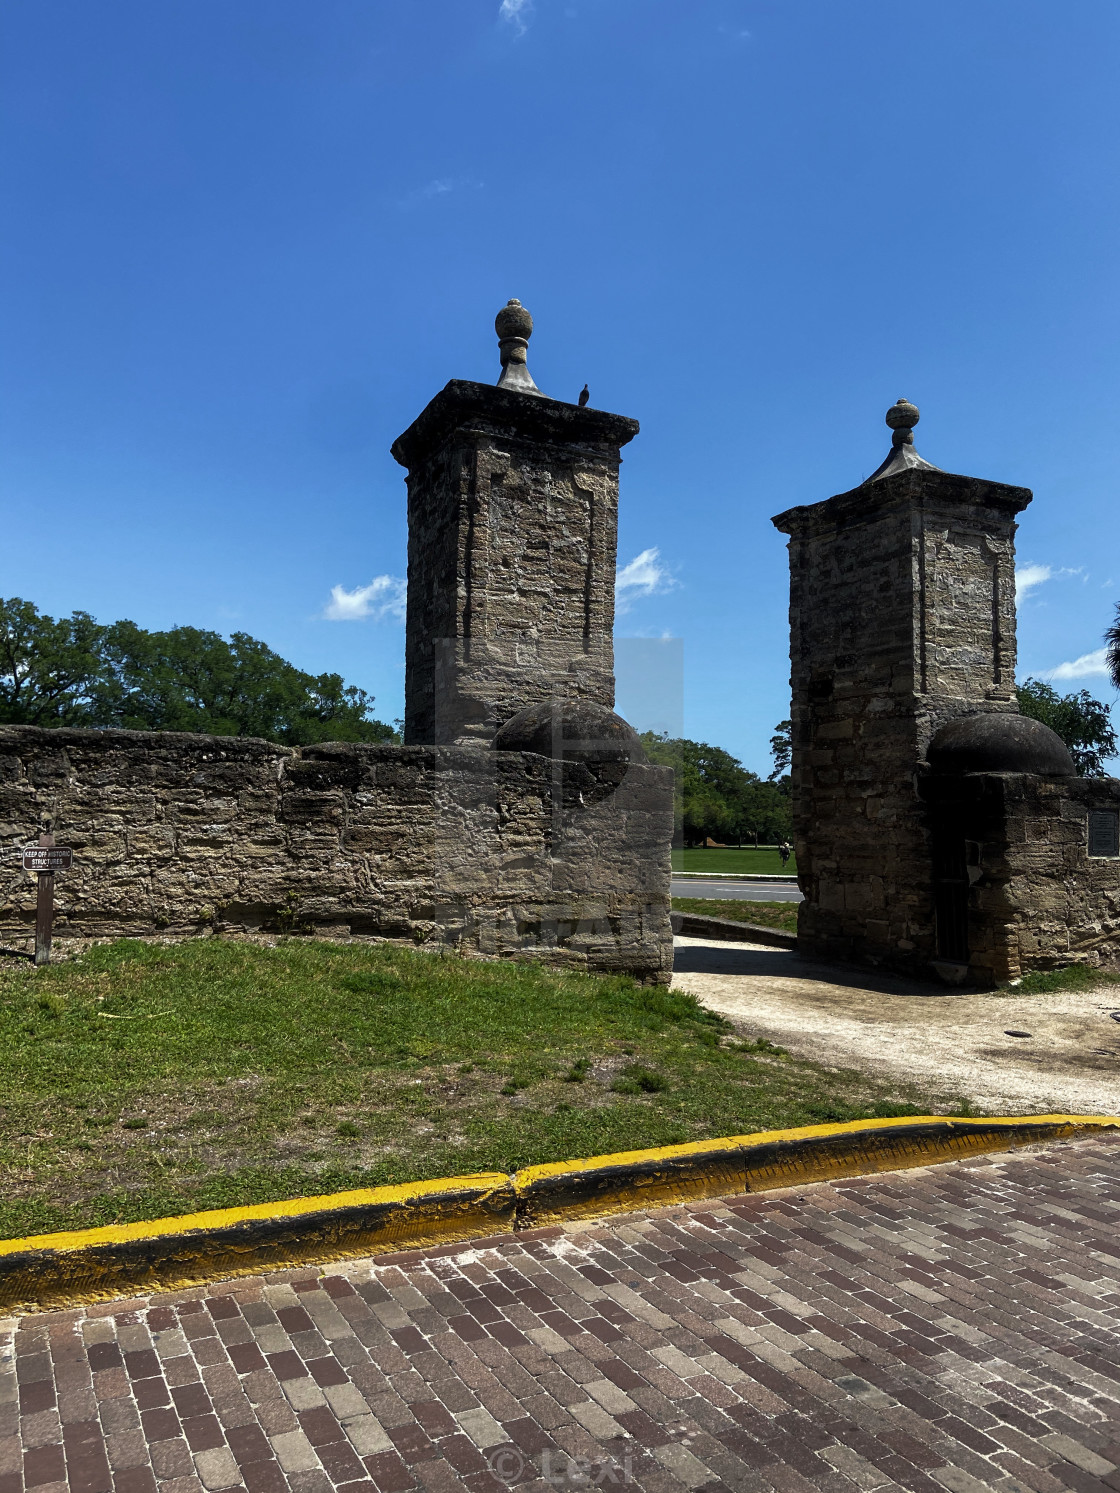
(602,1185)
(732,876)
(51,1270)
(54,1270)
(697,925)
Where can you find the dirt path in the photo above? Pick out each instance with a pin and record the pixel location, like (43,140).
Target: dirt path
(952,1044)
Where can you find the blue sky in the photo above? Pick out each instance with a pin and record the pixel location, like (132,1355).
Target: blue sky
(245,241)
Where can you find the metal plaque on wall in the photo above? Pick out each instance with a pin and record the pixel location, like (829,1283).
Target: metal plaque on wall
(1104,832)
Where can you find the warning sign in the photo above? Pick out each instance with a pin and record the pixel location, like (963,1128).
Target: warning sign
(47,857)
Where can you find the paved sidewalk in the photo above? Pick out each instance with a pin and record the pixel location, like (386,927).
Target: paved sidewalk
(738,891)
(946,1329)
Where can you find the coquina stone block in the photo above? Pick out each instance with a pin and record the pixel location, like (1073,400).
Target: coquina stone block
(503,854)
(444,841)
(1038,898)
(917,845)
(901,617)
(513,537)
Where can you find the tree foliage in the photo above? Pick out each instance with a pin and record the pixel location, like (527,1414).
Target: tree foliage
(46,667)
(717,797)
(1084,724)
(1112,645)
(781,749)
(76,672)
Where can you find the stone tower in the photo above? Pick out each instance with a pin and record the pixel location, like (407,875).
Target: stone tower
(512,539)
(902,617)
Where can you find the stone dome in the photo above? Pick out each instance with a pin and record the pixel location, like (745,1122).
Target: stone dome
(576,730)
(1000,742)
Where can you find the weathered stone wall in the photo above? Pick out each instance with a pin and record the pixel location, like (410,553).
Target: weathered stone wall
(1038,899)
(901,617)
(512,523)
(496,853)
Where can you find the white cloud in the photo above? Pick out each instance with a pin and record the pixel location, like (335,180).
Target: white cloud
(644,576)
(442,186)
(516,13)
(383,597)
(1029,577)
(1085,667)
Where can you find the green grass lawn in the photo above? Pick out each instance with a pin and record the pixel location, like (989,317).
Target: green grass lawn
(148,1079)
(760,862)
(769,914)
(1073,977)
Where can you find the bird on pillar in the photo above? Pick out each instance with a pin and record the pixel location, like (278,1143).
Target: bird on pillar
(584,396)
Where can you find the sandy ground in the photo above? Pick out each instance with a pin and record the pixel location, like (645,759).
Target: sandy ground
(949,1044)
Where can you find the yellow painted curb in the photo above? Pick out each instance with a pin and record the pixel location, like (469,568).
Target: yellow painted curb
(65,1269)
(126,1259)
(601,1185)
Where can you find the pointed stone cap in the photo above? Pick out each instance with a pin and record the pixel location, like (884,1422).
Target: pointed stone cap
(514,327)
(901,417)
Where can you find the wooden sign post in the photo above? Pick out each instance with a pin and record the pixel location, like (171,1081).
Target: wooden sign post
(45,859)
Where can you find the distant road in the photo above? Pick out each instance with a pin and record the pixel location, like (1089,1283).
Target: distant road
(742,891)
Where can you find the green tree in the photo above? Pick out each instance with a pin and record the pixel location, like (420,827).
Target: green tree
(47,668)
(189,680)
(781,749)
(76,673)
(1112,644)
(1084,724)
(766,811)
(717,797)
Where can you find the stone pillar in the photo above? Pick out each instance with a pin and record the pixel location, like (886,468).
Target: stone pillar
(512,542)
(902,616)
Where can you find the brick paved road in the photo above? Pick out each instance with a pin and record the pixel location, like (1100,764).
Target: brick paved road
(952,1328)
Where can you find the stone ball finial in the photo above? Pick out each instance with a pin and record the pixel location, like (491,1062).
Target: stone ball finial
(514,327)
(513,321)
(902,417)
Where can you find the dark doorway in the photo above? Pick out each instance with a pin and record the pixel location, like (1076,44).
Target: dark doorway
(950,893)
